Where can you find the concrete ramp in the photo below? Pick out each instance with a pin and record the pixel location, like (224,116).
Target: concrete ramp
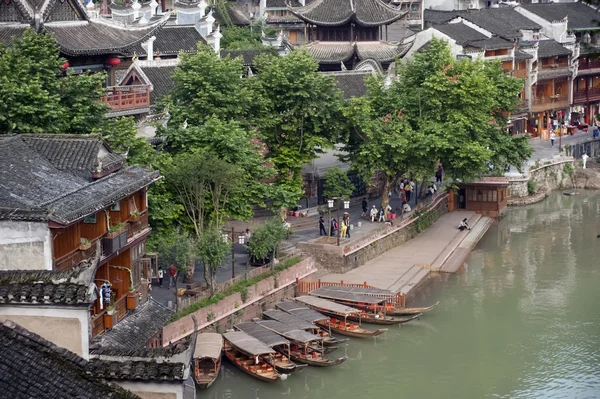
(458,257)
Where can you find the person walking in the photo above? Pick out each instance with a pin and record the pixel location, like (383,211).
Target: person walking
(365,208)
(407,190)
(161,273)
(373,213)
(172,276)
(346,225)
(322,231)
(552,137)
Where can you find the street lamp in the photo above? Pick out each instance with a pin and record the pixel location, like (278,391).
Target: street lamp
(241,240)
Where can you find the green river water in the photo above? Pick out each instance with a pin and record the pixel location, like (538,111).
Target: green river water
(522,321)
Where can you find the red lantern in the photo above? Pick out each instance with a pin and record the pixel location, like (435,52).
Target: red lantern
(113,61)
(66,65)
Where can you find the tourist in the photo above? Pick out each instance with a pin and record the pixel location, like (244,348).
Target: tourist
(322,231)
(286,225)
(439,175)
(552,137)
(172,276)
(403,197)
(365,208)
(248,235)
(331,220)
(336,227)
(407,190)
(373,213)
(347,222)
(464,225)
(381,215)
(160,276)
(406,208)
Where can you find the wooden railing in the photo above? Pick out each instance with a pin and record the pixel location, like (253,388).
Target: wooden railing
(72,259)
(590,94)
(137,226)
(589,64)
(306,286)
(127,97)
(555,66)
(551,99)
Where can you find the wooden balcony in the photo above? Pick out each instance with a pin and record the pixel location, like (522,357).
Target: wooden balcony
(551,102)
(586,95)
(72,259)
(121,98)
(136,225)
(559,65)
(591,64)
(520,73)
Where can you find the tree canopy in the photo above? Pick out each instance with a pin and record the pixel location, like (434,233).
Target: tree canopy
(337,184)
(38,96)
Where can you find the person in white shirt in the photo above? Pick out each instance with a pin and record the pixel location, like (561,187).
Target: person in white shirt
(552,137)
(464,225)
(406,208)
(373,213)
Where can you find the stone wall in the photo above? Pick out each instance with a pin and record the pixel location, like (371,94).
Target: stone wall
(354,254)
(546,178)
(212,314)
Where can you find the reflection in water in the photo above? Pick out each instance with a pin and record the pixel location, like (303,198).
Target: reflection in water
(520,322)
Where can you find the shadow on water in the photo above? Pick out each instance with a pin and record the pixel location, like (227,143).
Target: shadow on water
(520,321)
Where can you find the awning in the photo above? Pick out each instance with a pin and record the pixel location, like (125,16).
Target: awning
(247,344)
(208,345)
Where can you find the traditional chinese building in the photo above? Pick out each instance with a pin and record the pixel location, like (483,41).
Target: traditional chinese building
(350,31)
(65,199)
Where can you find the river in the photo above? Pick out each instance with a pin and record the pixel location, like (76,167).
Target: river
(522,321)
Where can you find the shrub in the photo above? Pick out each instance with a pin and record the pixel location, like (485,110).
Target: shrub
(531,187)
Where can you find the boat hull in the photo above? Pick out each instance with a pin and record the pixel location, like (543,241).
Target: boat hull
(357,333)
(384,321)
(321,362)
(206,382)
(410,311)
(264,378)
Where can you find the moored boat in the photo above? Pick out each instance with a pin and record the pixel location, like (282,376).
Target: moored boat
(247,354)
(300,323)
(206,362)
(338,315)
(382,319)
(302,344)
(281,359)
(410,311)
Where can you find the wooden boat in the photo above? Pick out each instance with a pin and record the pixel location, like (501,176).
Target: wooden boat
(301,324)
(247,354)
(410,311)
(382,319)
(302,342)
(206,362)
(338,317)
(281,359)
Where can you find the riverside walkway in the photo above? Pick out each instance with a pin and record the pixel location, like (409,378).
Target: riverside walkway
(440,248)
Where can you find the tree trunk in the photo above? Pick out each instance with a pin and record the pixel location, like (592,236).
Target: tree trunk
(188,276)
(422,191)
(213,281)
(207,274)
(387,187)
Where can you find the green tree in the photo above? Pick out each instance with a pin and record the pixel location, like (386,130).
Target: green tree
(121,135)
(298,113)
(337,184)
(35,97)
(204,86)
(177,248)
(266,239)
(212,251)
(244,37)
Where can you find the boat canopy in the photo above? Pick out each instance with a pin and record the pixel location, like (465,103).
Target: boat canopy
(328,305)
(261,333)
(338,293)
(290,332)
(301,311)
(208,345)
(289,319)
(247,344)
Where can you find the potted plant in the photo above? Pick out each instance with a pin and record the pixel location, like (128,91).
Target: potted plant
(132,298)
(115,230)
(110,318)
(135,216)
(85,244)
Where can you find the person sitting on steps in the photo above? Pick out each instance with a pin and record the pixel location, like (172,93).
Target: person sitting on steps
(464,225)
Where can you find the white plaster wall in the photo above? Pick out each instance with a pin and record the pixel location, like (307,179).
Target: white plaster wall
(556,31)
(25,245)
(446,5)
(65,327)
(145,389)
(425,36)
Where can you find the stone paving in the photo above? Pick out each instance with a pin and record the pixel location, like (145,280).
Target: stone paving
(387,270)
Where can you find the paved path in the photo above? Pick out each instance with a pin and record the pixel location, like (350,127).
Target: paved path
(398,267)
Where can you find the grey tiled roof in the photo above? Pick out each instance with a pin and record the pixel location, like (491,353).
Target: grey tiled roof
(93,38)
(49,287)
(553,74)
(282,3)
(161,79)
(493,43)
(336,52)
(171,40)
(549,48)
(32,367)
(460,32)
(351,83)
(504,22)
(138,328)
(7,33)
(380,51)
(581,16)
(161,364)
(521,55)
(330,52)
(340,12)
(32,188)
(235,15)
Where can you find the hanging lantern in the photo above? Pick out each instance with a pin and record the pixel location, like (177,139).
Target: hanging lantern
(66,65)
(113,61)
(330,203)
(346,204)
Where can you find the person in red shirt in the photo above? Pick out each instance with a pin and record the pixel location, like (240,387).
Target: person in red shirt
(172,276)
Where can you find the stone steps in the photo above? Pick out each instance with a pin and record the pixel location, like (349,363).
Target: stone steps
(417,278)
(437,264)
(405,278)
(458,257)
